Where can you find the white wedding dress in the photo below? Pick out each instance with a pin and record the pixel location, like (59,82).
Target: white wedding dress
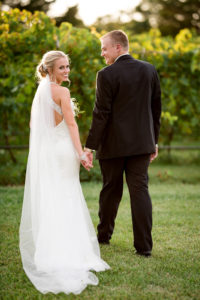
(58,243)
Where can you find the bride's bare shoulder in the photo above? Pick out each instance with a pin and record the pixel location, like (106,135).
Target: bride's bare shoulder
(63,92)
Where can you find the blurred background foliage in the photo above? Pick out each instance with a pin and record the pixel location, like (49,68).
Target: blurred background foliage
(170,16)
(25,36)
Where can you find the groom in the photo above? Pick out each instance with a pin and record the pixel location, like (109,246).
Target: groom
(124,132)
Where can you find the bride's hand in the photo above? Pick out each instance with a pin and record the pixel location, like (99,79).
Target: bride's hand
(86,161)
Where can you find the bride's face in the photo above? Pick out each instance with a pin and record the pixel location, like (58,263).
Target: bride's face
(61,70)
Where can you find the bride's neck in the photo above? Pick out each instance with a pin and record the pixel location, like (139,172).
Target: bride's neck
(55,83)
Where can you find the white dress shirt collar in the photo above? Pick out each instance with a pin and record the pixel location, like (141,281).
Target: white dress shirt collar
(121,55)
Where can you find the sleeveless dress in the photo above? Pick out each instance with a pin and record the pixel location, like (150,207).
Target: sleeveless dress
(63,249)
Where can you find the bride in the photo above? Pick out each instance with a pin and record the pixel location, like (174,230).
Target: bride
(58,243)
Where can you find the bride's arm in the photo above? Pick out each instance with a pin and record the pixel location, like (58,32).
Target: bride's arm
(70,120)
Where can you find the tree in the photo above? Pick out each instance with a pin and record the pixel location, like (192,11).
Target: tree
(170,16)
(25,37)
(177,62)
(71,17)
(31,5)
(136,27)
(108,23)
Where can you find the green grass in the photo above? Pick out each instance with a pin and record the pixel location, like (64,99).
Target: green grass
(173,271)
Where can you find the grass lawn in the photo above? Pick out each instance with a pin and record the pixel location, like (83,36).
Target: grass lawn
(173,271)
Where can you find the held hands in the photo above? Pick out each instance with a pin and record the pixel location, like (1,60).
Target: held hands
(86,160)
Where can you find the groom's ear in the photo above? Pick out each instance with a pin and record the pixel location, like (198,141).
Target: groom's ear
(118,47)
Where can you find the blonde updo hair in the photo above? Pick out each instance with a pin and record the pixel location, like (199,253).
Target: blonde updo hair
(47,62)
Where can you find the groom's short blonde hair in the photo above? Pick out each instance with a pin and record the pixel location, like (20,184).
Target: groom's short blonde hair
(117,37)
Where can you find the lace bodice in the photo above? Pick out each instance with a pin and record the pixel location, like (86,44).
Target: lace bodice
(57,107)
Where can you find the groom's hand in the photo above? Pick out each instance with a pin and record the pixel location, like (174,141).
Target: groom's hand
(155,154)
(90,157)
(89,154)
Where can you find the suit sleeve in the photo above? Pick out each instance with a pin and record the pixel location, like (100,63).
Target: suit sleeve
(101,112)
(156,104)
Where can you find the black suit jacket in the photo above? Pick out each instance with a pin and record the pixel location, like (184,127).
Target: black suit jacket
(126,116)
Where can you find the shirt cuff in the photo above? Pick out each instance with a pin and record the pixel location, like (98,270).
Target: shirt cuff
(88,149)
